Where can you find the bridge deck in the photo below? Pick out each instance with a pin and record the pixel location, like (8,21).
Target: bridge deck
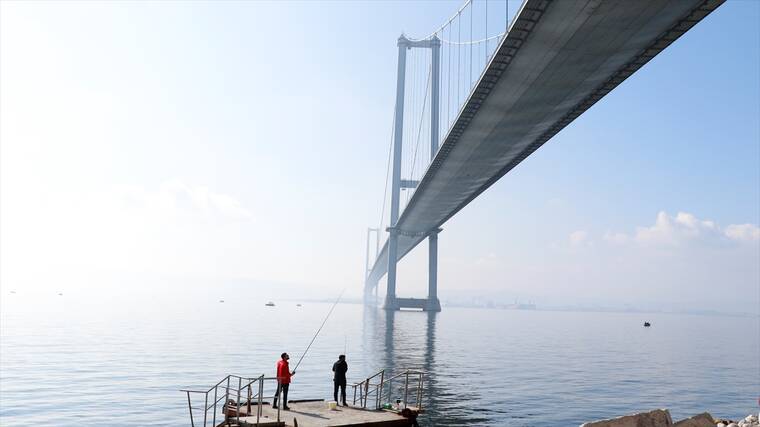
(558,59)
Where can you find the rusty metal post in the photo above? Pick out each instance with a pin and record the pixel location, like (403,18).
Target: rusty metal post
(216,401)
(205,410)
(190,407)
(406,389)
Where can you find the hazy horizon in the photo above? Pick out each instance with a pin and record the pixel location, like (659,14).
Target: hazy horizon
(173,147)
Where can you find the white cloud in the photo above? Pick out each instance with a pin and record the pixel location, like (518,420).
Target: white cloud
(746,232)
(673,230)
(682,229)
(173,197)
(676,261)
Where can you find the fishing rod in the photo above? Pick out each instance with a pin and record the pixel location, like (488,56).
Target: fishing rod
(319,330)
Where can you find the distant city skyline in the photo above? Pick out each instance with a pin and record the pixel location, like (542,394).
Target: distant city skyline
(247,140)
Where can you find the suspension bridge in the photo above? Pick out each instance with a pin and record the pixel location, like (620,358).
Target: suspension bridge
(483,92)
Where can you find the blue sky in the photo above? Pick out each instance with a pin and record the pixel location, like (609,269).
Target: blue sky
(249,139)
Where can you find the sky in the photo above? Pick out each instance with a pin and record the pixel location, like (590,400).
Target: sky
(207,143)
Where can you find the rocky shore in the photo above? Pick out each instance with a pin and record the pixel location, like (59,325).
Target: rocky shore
(748,421)
(661,418)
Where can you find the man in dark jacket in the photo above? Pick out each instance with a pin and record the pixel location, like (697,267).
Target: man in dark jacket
(340,367)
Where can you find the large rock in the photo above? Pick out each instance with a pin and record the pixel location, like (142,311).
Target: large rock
(702,420)
(656,418)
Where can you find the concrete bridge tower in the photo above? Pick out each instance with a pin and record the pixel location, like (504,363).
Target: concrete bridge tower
(431,303)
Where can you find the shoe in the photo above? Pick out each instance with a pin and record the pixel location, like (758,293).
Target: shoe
(286,408)
(274,406)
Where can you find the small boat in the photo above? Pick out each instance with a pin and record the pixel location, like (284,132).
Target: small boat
(647,324)
(221,300)
(298,305)
(269,304)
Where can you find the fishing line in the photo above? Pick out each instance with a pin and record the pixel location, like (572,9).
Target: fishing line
(319,330)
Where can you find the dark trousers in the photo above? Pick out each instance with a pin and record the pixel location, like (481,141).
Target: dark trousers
(342,385)
(284,388)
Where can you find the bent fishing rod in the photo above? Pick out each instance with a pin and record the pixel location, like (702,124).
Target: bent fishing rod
(320,329)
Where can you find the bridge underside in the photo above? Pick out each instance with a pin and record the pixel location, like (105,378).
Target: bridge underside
(558,59)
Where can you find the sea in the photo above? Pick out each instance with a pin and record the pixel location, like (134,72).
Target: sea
(75,360)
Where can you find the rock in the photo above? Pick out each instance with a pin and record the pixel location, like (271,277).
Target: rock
(656,418)
(720,425)
(748,421)
(732,425)
(702,420)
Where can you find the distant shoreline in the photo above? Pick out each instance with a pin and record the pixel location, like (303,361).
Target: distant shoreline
(445,304)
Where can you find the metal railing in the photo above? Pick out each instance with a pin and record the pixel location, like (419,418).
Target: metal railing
(365,388)
(409,384)
(238,394)
(236,397)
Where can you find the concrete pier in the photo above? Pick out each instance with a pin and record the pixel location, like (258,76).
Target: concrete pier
(317,414)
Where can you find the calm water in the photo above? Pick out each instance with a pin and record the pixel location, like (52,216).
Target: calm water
(121,361)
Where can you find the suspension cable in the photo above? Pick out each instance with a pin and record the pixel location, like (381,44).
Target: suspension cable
(419,130)
(472,10)
(387,173)
(449,21)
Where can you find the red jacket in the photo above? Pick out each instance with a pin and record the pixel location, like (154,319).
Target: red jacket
(283,372)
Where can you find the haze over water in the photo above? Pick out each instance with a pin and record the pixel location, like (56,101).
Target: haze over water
(73,360)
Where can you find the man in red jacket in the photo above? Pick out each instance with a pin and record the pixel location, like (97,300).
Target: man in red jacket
(283,381)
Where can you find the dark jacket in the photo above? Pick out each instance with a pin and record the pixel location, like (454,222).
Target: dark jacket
(340,367)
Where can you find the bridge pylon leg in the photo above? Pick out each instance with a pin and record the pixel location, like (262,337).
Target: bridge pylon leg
(390,298)
(433,304)
(390,295)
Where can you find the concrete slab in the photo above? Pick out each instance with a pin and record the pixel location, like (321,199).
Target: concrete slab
(317,414)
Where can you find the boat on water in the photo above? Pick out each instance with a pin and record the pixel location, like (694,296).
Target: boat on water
(269,304)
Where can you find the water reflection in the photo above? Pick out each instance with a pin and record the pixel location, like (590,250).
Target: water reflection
(407,340)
